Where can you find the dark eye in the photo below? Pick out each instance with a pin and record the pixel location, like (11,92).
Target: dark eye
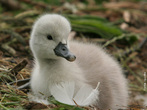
(49,37)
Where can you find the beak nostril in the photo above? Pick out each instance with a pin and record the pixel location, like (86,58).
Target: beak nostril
(63,49)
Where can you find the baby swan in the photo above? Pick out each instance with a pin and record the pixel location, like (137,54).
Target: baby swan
(57,60)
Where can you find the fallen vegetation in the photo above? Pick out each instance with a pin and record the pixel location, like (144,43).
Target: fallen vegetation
(118,26)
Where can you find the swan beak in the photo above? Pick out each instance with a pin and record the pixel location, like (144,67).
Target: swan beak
(62,51)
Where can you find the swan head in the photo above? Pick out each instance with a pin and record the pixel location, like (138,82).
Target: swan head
(49,38)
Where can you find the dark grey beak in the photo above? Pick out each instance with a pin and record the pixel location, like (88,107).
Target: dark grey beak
(62,51)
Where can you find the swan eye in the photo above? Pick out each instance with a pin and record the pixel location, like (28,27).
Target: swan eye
(49,37)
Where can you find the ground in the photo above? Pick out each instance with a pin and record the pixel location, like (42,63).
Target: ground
(119,26)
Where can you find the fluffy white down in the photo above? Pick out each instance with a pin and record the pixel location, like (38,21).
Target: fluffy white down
(92,64)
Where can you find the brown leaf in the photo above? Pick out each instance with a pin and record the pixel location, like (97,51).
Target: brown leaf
(19,67)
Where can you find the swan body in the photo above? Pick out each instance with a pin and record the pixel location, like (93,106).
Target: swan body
(57,60)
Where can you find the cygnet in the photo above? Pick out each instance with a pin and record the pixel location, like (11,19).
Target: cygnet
(57,60)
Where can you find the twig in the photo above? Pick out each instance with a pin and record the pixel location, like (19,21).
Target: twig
(117,38)
(75,103)
(25,86)
(20,81)
(4,108)
(27,14)
(143,43)
(8,49)
(5,50)
(114,39)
